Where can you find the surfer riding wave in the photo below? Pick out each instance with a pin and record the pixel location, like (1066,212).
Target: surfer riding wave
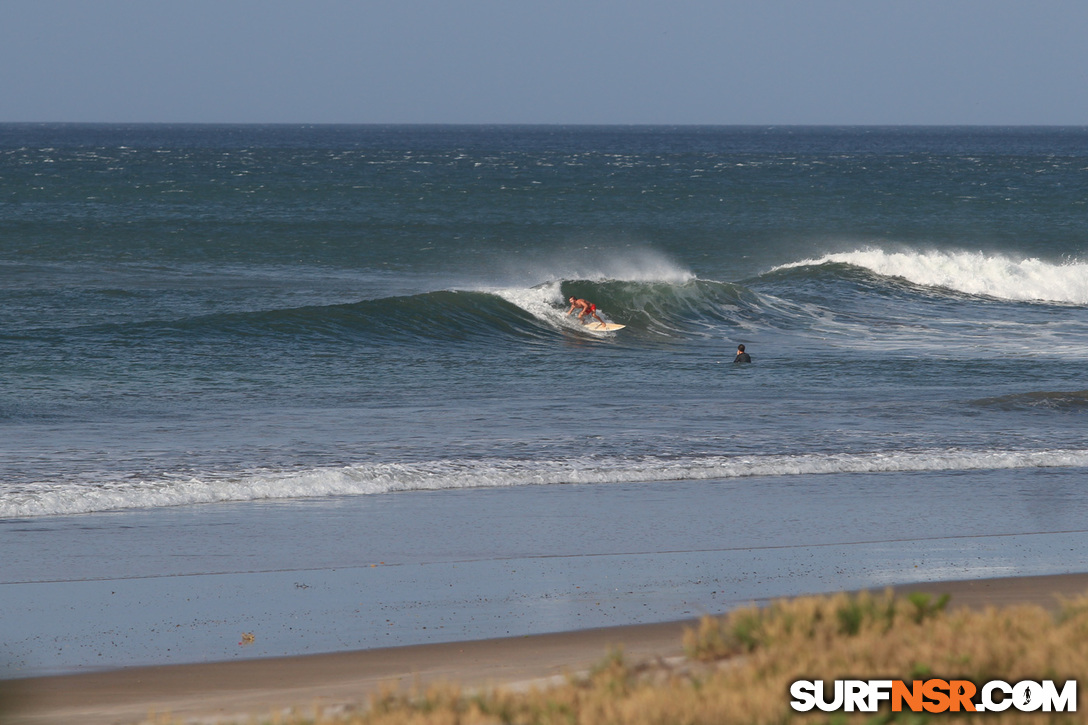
(587,308)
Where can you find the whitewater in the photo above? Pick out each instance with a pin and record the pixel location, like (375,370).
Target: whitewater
(360,480)
(973,273)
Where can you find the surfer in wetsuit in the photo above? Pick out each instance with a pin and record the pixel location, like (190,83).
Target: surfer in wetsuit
(587,308)
(742,356)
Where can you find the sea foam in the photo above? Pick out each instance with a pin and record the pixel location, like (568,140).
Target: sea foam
(974,273)
(371,479)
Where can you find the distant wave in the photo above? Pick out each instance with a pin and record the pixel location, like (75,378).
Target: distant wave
(973,273)
(1063,401)
(368,479)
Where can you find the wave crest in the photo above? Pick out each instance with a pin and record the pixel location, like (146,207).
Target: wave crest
(1075,401)
(973,273)
(379,478)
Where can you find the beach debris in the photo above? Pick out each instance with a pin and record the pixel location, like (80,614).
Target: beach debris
(247,639)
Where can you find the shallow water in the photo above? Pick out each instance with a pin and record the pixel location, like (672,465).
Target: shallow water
(320,575)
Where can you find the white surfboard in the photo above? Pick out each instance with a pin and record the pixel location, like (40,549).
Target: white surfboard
(603,327)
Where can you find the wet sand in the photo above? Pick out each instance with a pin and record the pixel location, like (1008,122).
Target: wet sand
(208,692)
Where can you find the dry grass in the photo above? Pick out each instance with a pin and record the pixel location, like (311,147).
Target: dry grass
(740,666)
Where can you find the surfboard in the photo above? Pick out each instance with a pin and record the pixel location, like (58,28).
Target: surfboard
(604,327)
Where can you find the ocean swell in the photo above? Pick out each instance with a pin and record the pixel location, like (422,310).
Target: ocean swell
(665,307)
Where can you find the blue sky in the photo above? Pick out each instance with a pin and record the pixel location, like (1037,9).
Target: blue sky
(546,61)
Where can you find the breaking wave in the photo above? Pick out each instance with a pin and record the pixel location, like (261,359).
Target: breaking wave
(379,478)
(973,273)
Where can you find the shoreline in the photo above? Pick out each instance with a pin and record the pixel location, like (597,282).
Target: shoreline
(185,585)
(258,687)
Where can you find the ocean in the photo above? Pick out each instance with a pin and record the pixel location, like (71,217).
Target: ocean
(300,356)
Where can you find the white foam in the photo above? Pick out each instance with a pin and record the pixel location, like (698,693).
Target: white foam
(975,273)
(370,479)
(544,302)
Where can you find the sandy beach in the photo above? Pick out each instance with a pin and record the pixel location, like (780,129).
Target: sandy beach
(210,692)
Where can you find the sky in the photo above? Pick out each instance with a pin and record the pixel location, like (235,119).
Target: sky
(763,62)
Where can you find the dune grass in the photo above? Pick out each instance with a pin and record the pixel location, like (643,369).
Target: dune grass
(739,667)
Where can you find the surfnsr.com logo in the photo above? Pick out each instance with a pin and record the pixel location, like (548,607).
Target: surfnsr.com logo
(934,695)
